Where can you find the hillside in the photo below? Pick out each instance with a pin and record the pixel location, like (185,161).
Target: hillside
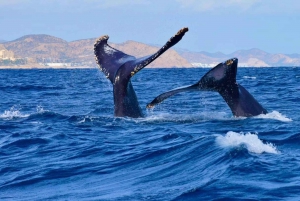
(7,58)
(41,48)
(44,50)
(47,49)
(253,58)
(169,59)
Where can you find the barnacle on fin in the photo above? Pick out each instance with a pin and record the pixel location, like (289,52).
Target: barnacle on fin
(183,30)
(149,106)
(180,32)
(229,62)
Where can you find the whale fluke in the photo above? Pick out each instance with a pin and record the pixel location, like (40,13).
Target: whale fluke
(222,79)
(119,67)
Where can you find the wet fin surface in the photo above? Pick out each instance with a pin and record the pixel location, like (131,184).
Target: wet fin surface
(245,105)
(110,60)
(140,63)
(173,92)
(119,67)
(222,79)
(213,80)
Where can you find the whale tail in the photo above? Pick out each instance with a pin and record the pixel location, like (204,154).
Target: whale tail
(222,79)
(223,75)
(119,67)
(110,60)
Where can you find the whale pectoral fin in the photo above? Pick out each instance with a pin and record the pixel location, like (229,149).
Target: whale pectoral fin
(138,64)
(108,58)
(168,94)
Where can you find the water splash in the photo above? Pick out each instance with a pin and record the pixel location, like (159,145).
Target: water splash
(250,141)
(249,77)
(86,119)
(13,112)
(274,115)
(197,117)
(40,109)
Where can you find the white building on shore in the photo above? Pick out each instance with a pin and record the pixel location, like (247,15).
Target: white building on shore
(58,64)
(211,65)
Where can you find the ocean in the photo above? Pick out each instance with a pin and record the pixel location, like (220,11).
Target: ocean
(59,139)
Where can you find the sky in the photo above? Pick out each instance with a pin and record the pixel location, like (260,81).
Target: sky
(214,25)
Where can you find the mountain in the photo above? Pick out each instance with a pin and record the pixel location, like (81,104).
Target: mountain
(2,41)
(49,49)
(168,59)
(41,48)
(4,53)
(252,57)
(7,58)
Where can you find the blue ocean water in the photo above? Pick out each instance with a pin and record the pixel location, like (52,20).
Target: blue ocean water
(59,139)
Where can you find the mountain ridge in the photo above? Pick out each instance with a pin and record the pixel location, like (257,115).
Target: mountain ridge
(253,57)
(49,50)
(45,49)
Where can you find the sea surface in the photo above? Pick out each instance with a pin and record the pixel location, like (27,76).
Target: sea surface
(59,139)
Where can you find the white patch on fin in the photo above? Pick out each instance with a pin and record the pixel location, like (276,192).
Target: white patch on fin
(109,50)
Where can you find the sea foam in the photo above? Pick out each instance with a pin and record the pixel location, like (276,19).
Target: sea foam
(249,77)
(13,112)
(196,117)
(274,115)
(250,141)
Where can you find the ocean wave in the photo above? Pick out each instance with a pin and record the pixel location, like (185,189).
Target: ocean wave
(46,115)
(274,115)
(196,117)
(250,141)
(13,112)
(291,139)
(31,87)
(25,143)
(85,119)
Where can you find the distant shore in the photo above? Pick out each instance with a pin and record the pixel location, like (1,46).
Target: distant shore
(74,67)
(44,67)
(91,67)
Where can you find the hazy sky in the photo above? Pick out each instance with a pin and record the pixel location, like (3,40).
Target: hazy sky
(214,25)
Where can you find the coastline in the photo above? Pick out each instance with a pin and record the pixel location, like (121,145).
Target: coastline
(28,67)
(44,67)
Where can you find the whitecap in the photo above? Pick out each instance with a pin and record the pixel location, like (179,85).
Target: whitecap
(274,115)
(86,119)
(249,77)
(250,141)
(40,109)
(197,117)
(13,112)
